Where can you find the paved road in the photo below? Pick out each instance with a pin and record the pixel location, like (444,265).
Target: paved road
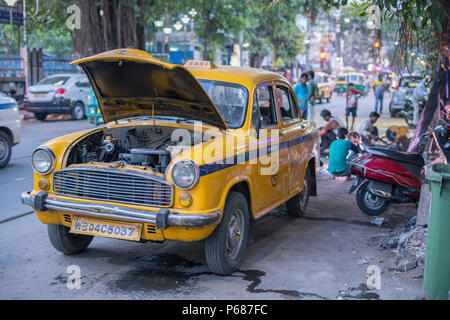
(315,257)
(18,175)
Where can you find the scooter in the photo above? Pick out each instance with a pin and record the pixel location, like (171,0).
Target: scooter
(408,111)
(383,176)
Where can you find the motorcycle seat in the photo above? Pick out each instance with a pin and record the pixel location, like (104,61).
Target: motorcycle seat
(408,157)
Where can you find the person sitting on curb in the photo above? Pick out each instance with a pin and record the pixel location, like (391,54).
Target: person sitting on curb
(367,130)
(329,131)
(339,151)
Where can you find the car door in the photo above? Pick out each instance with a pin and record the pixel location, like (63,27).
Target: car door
(267,187)
(291,133)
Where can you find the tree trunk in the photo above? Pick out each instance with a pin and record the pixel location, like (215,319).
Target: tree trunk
(439,88)
(118,26)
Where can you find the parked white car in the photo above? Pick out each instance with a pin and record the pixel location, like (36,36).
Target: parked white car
(10,127)
(65,93)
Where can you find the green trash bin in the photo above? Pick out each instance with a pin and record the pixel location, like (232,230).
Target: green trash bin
(437,263)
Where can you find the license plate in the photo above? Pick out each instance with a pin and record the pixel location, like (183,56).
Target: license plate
(39,95)
(102,228)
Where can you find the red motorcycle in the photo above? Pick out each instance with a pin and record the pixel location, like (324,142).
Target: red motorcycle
(384,176)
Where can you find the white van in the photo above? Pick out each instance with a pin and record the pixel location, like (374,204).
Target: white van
(10,127)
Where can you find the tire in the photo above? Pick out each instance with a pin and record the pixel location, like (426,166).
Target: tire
(370,204)
(5,149)
(65,242)
(296,206)
(224,254)
(40,116)
(78,111)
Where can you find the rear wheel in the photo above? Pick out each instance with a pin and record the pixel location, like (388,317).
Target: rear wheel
(225,247)
(66,242)
(78,111)
(40,116)
(296,206)
(5,149)
(369,203)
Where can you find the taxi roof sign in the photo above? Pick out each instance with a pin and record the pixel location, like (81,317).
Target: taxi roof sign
(199,64)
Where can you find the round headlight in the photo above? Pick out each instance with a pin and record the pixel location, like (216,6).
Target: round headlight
(43,160)
(185,174)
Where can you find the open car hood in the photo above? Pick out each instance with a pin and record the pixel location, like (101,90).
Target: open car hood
(131,83)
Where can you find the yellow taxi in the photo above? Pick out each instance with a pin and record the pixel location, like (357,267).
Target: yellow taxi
(186,153)
(324,86)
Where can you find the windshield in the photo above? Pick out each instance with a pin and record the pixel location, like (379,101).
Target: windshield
(410,82)
(353,78)
(57,81)
(342,78)
(230,100)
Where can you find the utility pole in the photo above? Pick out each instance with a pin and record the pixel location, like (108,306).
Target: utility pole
(25,46)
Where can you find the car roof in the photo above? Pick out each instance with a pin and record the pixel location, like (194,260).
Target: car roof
(245,76)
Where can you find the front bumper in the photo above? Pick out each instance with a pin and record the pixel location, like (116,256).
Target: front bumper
(163,218)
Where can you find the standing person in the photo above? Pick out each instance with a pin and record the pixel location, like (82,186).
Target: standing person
(339,151)
(367,86)
(329,132)
(301,92)
(352,97)
(366,128)
(312,95)
(419,95)
(379,87)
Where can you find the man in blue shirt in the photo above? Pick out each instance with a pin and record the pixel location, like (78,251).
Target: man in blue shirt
(339,150)
(301,91)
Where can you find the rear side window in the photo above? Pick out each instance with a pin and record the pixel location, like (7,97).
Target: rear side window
(264,107)
(286,104)
(56,80)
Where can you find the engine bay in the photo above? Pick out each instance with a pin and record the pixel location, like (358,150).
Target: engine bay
(146,146)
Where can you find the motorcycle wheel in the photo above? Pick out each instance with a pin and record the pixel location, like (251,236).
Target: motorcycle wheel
(369,203)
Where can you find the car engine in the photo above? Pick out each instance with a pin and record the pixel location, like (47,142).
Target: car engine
(145,146)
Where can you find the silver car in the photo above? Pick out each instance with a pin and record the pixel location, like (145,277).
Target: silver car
(10,127)
(60,94)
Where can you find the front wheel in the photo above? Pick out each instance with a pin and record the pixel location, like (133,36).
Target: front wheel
(369,203)
(40,116)
(66,242)
(5,149)
(224,248)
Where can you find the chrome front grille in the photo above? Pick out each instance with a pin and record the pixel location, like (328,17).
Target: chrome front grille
(124,186)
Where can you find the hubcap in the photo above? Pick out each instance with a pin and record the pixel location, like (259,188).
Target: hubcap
(372,201)
(234,235)
(79,111)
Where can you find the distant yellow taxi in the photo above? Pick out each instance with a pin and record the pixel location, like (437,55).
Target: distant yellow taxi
(324,86)
(187,153)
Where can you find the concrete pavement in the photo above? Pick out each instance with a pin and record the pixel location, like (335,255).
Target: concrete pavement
(18,175)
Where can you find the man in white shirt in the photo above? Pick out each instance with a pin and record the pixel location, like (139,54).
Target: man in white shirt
(366,128)
(419,95)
